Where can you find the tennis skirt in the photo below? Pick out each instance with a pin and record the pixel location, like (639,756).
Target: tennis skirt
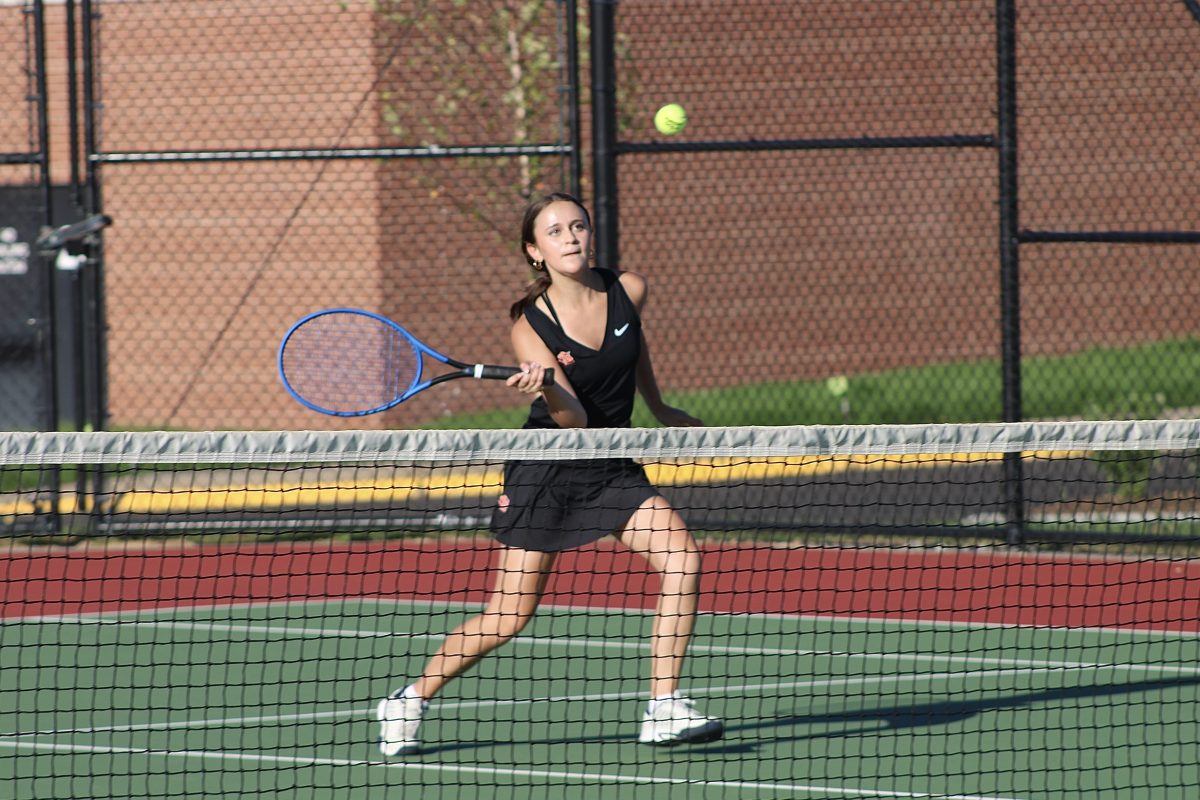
(559,505)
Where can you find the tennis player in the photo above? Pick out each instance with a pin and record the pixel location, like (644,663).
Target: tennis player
(584,322)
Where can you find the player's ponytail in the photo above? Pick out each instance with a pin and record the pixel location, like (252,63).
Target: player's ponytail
(533,291)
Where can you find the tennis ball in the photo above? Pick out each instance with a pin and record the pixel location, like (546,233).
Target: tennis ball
(838,385)
(670,119)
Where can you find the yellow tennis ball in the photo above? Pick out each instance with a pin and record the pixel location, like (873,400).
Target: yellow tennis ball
(670,119)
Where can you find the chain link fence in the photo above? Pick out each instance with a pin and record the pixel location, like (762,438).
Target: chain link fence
(866,243)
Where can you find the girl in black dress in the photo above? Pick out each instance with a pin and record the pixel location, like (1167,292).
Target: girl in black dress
(585,323)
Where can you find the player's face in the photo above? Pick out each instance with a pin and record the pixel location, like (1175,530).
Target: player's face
(563,238)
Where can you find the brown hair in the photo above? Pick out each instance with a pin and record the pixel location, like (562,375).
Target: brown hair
(541,278)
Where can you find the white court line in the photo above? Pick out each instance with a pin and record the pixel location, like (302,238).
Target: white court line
(495,771)
(855,619)
(286,631)
(583,777)
(735,690)
(933,624)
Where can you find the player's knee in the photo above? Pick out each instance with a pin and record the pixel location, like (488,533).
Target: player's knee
(506,626)
(683,564)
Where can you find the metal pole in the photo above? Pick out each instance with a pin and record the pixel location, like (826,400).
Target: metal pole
(49,300)
(96,413)
(73,103)
(94,323)
(576,137)
(1010,273)
(604,131)
(74,330)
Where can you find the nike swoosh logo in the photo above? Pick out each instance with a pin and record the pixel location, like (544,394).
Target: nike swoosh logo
(620,330)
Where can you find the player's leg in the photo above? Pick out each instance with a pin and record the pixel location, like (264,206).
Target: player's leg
(658,534)
(519,586)
(520,582)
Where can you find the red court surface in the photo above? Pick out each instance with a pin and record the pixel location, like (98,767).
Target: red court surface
(946,585)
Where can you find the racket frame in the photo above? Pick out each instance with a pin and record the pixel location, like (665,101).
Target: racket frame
(460,369)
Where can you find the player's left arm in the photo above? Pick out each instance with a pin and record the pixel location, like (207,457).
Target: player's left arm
(636,287)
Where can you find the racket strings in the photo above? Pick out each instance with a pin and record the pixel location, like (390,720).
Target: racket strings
(350,362)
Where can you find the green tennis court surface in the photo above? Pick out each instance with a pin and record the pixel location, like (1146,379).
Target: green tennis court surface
(278,701)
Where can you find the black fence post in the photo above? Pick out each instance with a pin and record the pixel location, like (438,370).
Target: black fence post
(96,361)
(576,136)
(604,131)
(47,333)
(46,267)
(1010,273)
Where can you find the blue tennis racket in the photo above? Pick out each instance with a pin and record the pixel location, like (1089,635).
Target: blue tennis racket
(349,363)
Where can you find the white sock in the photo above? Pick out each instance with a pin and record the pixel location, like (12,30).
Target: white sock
(654,701)
(408,693)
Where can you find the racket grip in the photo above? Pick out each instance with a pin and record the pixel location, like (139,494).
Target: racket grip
(493,372)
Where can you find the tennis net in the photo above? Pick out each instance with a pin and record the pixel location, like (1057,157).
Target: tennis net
(966,611)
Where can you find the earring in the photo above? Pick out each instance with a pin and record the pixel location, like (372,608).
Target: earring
(539,266)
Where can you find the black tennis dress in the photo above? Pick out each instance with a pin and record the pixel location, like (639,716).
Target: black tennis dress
(559,505)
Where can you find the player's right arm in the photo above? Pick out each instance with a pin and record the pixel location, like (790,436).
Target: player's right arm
(534,357)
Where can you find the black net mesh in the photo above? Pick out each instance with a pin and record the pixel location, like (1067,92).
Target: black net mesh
(200,614)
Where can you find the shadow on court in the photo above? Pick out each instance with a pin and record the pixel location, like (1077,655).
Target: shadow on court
(749,736)
(945,712)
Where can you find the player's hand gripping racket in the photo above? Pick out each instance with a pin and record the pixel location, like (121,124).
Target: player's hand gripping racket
(347,362)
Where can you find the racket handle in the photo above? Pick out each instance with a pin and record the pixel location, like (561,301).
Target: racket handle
(493,372)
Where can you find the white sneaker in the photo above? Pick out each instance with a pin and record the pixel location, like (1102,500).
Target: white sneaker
(676,721)
(399,723)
